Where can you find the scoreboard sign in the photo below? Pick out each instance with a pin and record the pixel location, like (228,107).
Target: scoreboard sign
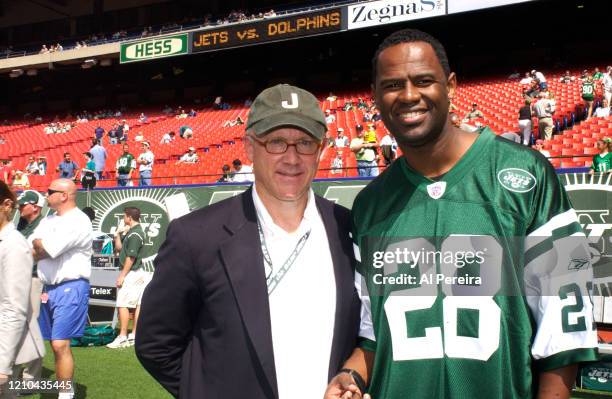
(266,31)
(159,47)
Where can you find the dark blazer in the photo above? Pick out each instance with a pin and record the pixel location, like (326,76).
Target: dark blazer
(204,328)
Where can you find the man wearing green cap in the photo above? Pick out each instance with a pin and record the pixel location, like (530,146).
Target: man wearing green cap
(273,274)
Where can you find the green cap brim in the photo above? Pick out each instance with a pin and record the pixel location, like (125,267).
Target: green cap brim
(310,126)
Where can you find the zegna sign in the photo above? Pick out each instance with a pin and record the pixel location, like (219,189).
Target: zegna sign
(375,13)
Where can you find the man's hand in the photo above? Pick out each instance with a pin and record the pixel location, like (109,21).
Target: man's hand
(122,230)
(343,386)
(120,279)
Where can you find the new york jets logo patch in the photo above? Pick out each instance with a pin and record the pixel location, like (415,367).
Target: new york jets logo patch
(516,180)
(436,190)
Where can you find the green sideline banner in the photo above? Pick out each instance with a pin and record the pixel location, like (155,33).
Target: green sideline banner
(160,205)
(591,197)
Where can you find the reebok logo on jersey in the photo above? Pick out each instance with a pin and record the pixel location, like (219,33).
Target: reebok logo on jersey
(436,190)
(516,180)
(577,264)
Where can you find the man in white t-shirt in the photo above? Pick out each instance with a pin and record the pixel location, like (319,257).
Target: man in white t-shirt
(268,294)
(62,246)
(604,110)
(242,173)
(606,82)
(189,157)
(341,140)
(329,118)
(145,162)
(167,138)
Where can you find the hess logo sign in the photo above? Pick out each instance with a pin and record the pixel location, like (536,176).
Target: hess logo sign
(155,48)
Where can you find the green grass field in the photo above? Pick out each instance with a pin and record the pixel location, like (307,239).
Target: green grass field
(102,373)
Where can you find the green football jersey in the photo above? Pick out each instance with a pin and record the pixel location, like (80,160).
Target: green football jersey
(472,283)
(126,163)
(132,245)
(588,91)
(602,164)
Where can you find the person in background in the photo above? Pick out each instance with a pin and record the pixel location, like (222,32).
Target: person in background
(190,157)
(124,167)
(99,155)
(32,166)
(167,138)
(337,164)
(606,83)
(18,334)
(62,246)
(129,243)
(539,146)
(602,162)
(227,176)
(145,161)
(525,121)
(365,154)
(242,173)
(31,204)
(20,181)
(88,179)
(604,110)
(90,212)
(588,95)
(126,131)
(67,169)
(341,141)
(7,172)
(474,113)
(544,110)
(329,118)
(388,148)
(42,165)
(185,132)
(99,133)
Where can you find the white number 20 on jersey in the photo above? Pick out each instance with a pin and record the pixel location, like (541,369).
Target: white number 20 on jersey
(433,344)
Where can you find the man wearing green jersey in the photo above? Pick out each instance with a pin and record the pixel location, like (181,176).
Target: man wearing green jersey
(125,166)
(588,95)
(602,162)
(132,280)
(472,266)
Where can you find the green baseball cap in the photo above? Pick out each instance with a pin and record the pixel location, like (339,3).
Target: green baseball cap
(286,105)
(31,197)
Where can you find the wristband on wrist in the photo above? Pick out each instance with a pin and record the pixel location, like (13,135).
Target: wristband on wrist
(359,381)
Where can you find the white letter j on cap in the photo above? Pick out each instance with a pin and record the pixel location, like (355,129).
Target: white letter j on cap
(293,104)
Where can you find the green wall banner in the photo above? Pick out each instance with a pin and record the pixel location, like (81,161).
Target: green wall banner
(591,196)
(160,205)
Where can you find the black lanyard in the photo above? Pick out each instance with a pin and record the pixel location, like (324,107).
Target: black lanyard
(274,279)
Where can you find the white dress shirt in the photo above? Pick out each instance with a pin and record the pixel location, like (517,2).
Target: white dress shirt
(302,305)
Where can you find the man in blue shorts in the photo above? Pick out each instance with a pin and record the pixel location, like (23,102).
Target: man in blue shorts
(62,245)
